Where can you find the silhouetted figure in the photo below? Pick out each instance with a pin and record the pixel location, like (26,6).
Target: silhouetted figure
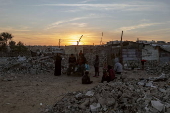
(72,64)
(86,78)
(58,59)
(143,63)
(80,53)
(109,75)
(96,66)
(105,68)
(81,64)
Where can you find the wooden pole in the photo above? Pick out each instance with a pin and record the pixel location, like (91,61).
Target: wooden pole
(101,39)
(59,43)
(121,47)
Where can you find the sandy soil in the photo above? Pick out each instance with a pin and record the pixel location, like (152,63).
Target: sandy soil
(35,93)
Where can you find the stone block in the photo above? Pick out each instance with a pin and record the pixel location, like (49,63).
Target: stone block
(95,107)
(157,105)
(89,93)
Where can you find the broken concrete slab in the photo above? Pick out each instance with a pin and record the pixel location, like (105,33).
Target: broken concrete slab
(157,105)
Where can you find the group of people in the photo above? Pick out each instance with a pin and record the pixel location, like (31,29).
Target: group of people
(83,68)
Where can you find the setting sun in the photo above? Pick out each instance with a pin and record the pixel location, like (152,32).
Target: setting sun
(75,43)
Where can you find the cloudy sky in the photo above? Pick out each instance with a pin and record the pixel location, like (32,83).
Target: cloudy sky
(44,22)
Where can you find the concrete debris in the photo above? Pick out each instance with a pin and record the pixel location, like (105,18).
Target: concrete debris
(158,69)
(95,107)
(38,64)
(157,105)
(117,97)
(30,65)
(162,77)
(89,93)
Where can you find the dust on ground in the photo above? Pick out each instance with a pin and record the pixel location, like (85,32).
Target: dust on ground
(35,93)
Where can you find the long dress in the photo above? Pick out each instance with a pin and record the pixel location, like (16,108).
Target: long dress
(57,71)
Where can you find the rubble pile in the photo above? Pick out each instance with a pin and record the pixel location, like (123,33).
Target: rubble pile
(23,65)
(117,97)
(158,69)
(36,65)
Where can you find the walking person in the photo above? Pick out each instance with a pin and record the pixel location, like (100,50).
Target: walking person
(96,66)
(58,59)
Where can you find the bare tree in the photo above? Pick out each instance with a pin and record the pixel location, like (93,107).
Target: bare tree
(5,36)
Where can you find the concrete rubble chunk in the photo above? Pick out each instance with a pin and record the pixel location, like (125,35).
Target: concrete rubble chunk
(162,90)
(102,101)
(79,95)
(89,93)
(110,101)
(95,107)
(162,77)
(84,104)
(157,105)
(141,83)
(149,84)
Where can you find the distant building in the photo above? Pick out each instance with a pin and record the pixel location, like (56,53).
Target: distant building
(151,42)
(161,42)
(113,42)
(141,41)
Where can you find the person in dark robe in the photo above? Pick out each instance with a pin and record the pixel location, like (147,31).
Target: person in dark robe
(143,63)
(58,59)
(80,53)
(96,66)
(72,64)
(86,78)
(81,64)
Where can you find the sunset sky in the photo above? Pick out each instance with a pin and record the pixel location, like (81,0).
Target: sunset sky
(44,22)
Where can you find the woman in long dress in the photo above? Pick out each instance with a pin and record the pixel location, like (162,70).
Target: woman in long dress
(58,59)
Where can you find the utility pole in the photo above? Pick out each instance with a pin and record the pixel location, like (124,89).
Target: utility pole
(59,43)
(121,47)
(101,39)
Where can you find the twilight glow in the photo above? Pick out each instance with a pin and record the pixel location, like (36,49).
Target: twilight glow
(44,22)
